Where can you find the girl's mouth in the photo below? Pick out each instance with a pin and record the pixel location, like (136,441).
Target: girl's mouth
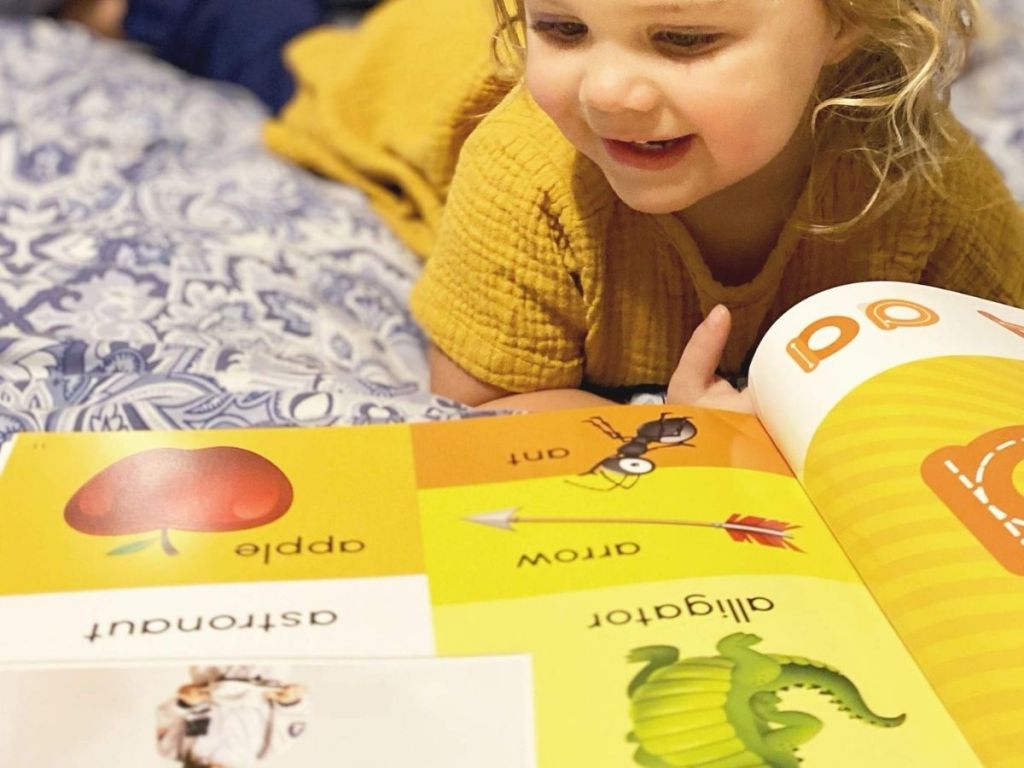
(648,155)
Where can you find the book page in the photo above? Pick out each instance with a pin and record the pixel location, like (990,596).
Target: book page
(597,541)
(150,545)
(674,591)
(432,713)
(902,409)
(277,576)
(829,344)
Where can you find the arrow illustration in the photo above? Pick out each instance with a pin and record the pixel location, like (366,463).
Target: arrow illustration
(741,528)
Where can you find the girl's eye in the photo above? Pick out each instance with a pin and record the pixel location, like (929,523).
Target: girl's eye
(686,42)
(560,31)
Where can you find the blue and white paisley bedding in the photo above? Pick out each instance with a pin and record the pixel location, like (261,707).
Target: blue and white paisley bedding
(989,98)
(160,270)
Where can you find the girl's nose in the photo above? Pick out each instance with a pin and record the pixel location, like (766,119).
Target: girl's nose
(611,86)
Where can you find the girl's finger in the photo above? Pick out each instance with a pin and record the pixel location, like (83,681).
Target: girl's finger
(702,354)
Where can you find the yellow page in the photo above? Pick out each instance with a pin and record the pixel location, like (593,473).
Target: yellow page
(902,409)
(598,542)
(227,543)
(620,548)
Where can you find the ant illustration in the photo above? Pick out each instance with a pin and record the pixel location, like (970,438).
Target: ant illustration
(625,468)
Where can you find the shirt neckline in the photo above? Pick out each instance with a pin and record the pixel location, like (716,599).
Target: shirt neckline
(710,290)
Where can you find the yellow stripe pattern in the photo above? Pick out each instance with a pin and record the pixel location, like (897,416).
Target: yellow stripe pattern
(959,611)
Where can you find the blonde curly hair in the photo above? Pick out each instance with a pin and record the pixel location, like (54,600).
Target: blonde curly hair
(884,104)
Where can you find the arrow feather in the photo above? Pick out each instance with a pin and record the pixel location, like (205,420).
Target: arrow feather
(760,530)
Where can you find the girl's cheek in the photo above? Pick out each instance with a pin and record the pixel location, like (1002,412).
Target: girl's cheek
(552,86)
(543,92)
(741,134)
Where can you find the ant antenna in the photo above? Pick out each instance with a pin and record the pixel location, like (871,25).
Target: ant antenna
(605,427)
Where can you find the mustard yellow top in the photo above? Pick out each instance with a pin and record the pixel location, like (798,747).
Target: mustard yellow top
(538,276)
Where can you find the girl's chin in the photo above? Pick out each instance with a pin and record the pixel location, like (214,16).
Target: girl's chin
(656,197)
(645,202)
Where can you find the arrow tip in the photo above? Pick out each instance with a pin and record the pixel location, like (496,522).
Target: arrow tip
(502,518)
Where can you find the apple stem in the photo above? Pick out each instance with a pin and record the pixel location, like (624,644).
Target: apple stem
(165,542)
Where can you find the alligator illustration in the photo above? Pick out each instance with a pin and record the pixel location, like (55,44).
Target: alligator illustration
(722,711)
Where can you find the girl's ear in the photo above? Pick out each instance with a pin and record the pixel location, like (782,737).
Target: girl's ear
(845,42)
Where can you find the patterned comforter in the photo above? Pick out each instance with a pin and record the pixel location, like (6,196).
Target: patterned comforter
(160,270)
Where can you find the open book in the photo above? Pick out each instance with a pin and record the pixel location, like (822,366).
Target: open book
(838,581)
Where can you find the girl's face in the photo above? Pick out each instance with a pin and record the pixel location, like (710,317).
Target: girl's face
(676,100)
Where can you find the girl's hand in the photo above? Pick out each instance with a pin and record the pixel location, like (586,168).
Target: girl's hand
(695,381)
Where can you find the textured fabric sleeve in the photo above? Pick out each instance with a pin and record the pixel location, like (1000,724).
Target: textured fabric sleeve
(983,252)
(500,291)
(387,106)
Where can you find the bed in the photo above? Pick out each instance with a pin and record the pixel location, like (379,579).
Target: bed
(159,269)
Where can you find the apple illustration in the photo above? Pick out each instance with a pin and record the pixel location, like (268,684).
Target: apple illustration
(207,489)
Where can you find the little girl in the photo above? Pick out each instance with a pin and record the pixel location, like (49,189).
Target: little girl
(618,193)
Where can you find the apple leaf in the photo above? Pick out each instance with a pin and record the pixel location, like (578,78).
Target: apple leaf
(132,547)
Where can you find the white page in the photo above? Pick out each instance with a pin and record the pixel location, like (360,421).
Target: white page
(429,713)
(792,402)
(363,618)
(5,452)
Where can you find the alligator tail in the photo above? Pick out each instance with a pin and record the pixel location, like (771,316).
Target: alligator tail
(834,684)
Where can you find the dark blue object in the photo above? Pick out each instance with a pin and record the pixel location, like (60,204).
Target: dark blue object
(239,41)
